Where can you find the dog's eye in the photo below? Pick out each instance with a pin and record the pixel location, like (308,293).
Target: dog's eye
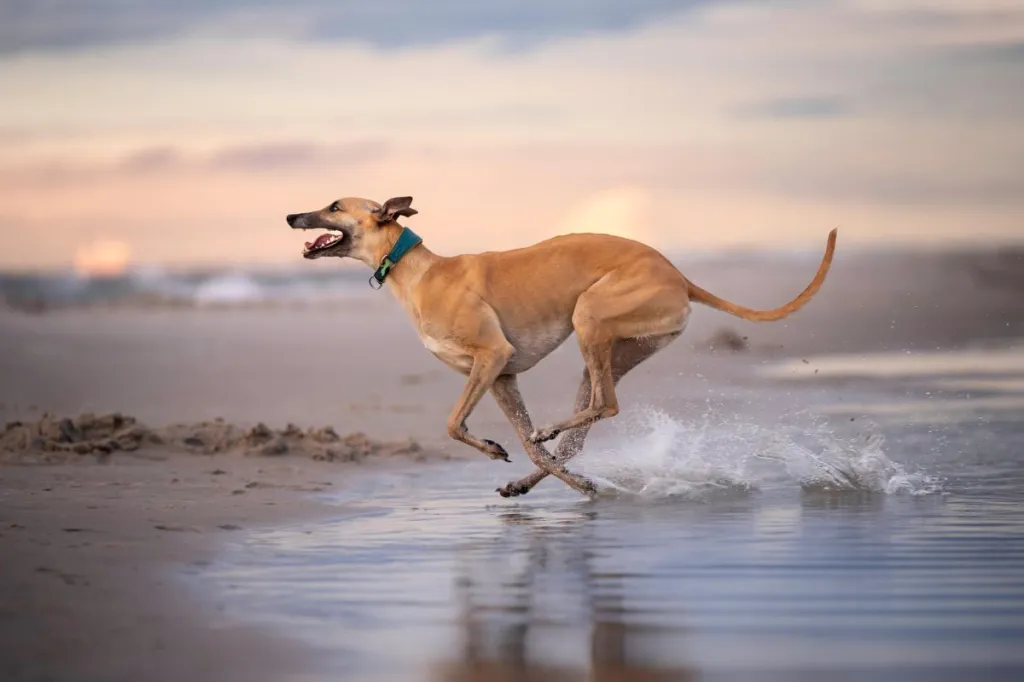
(334,208)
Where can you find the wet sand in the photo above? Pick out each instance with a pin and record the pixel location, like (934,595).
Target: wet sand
(89,556)
(91,541)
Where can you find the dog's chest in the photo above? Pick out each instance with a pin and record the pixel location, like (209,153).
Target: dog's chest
(536,343)
(447,352)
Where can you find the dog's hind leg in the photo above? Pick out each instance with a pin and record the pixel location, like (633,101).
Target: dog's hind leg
(620,306)
(506,393)
(626,355)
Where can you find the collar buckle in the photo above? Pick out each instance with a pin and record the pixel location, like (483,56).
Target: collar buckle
(406,241)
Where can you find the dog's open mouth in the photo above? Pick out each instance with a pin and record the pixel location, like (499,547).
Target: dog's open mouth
(323,242)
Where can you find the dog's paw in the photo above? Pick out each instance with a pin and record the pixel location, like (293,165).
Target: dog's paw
(513,489)
(495,451)
(544,434)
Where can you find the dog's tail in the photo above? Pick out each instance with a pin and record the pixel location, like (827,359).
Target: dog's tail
(707,298)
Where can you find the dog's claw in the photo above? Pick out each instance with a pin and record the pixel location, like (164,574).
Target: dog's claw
(497,452)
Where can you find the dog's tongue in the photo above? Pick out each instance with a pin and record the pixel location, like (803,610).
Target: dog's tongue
(320,241)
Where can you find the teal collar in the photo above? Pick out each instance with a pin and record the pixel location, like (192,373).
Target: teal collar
(406,241)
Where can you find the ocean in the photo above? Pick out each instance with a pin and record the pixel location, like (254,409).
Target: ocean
(155,286)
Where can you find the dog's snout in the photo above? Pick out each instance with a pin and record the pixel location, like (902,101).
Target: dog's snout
(292,217)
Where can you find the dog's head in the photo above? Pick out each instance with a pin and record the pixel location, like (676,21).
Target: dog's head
(356,228)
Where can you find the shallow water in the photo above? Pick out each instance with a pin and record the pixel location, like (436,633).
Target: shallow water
(763,545)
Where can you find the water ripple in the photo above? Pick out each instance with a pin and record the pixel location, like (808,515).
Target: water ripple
(426,575)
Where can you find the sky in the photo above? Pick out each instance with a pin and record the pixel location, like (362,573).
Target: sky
(181,132)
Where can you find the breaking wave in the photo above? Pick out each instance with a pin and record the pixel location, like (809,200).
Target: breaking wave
(154,286)
(657,455)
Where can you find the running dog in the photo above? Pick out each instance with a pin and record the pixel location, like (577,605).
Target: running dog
(493,315)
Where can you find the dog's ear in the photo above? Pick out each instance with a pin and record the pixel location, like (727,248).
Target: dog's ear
(394,207)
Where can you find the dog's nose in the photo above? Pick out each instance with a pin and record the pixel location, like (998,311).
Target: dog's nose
(291,218)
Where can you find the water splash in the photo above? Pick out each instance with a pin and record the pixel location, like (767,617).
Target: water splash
(657,455)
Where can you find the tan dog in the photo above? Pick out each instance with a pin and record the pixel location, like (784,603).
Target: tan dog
(494,315)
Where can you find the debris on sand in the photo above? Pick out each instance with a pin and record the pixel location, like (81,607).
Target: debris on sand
(57,439)
(728,339)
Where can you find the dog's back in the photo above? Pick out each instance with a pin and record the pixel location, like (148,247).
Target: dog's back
(566,264)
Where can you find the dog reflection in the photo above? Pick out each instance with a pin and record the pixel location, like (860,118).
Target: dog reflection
(497,637)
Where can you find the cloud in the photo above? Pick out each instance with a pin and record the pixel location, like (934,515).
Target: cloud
(675,80)
(150,160)
(806,107)
(1001,53)
(75,24)
(978,189)
(738,121)
(282,156)
(262,157)
(167,160)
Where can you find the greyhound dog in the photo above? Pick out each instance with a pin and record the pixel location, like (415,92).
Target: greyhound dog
(494,315)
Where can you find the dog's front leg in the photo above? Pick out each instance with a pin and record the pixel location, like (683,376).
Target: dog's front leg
(570,445)
(487,365)
(506,393)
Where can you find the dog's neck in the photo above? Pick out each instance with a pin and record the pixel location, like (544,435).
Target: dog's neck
(405,275)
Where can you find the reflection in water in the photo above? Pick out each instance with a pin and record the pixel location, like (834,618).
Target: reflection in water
(818,499)
(421,582)
(497,639)
(821,559)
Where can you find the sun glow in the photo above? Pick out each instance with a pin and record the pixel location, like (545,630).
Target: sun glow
(621,211)
(102,258)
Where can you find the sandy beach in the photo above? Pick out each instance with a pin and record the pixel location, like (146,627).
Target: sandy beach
(86,593)
(139,438)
